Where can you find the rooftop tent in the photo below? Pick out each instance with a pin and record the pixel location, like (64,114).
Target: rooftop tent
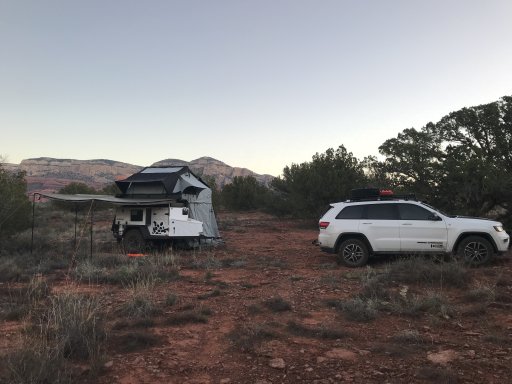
(177,183)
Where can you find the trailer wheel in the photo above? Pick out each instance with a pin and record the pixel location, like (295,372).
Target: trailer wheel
(133,242)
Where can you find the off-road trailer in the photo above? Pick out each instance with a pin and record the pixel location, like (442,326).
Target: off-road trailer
(158,206)
(139,227)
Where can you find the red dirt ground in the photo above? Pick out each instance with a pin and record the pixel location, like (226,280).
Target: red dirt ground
(265,258)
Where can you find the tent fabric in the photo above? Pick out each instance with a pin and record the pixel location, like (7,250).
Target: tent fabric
(83,198)
(201,209)
(166,177)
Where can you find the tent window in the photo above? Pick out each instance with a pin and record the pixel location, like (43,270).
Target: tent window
(136,215)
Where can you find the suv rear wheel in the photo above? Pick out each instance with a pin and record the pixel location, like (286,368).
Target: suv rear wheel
(475,250)
(353,253)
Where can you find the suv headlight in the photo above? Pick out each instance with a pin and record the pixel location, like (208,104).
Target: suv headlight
(498,228)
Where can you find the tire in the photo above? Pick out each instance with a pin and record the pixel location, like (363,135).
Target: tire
(133,242)
(475,250)
(353,253)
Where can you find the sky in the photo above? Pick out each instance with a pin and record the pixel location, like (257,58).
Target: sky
(259,84)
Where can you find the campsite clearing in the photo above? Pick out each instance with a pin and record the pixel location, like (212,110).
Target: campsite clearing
(269,307)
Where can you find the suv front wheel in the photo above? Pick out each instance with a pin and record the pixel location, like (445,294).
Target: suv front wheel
(475,250)
(353,253)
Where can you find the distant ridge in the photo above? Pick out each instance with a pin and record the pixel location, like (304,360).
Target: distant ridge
(48,175)
(221,172)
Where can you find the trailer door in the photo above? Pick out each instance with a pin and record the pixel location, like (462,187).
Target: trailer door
(159,225)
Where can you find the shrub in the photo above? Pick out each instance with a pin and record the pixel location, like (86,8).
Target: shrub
(482,293)
(140,303)
(135,341)
(408,336)
(74,324)
(358,309)
(214,293)
(171,299)
(277,304)
(37,361)
(23,300)
(10,270)
(195,316)
(315,333)
(423,270)
(414,305)
(248,336)
(14,203)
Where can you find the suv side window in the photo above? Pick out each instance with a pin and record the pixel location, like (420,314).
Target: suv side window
(354,212)
(413,212)
(381,212)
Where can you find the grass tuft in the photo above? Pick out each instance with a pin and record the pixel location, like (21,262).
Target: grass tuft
(248,337)
(315,333)
(189,316)
(359,310)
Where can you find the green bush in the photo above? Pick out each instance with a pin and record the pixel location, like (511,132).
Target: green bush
(15,207)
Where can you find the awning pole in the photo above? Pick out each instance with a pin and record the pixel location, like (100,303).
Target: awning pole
(76,220)
(33,222)
(92,216)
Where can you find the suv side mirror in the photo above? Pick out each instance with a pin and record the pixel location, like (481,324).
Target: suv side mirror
(434,217)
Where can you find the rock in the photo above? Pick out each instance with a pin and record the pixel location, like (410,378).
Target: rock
(225,381)
(277,363)
(342,354)
(442,357)
(108,364)
(320,359)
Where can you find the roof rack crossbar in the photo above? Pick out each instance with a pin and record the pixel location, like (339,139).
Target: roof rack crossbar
(409,196)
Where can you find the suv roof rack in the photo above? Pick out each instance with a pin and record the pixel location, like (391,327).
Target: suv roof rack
(376,194)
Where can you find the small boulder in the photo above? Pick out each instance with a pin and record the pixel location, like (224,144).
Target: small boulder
(442,357)
(277,363)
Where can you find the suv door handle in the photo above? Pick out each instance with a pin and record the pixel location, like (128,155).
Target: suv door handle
(407,224)
(366,223)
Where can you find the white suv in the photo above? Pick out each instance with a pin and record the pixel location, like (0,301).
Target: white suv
(380,223)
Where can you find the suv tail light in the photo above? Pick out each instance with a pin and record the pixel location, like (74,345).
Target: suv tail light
(323,224)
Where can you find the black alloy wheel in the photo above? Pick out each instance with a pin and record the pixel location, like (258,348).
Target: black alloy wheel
(353,253)
(475,250)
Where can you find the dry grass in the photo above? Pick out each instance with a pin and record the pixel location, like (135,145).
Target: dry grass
(248,337)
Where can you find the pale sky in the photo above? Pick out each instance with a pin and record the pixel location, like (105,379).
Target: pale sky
(259,84)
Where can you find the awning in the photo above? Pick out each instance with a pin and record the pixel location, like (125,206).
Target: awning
(83,198)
